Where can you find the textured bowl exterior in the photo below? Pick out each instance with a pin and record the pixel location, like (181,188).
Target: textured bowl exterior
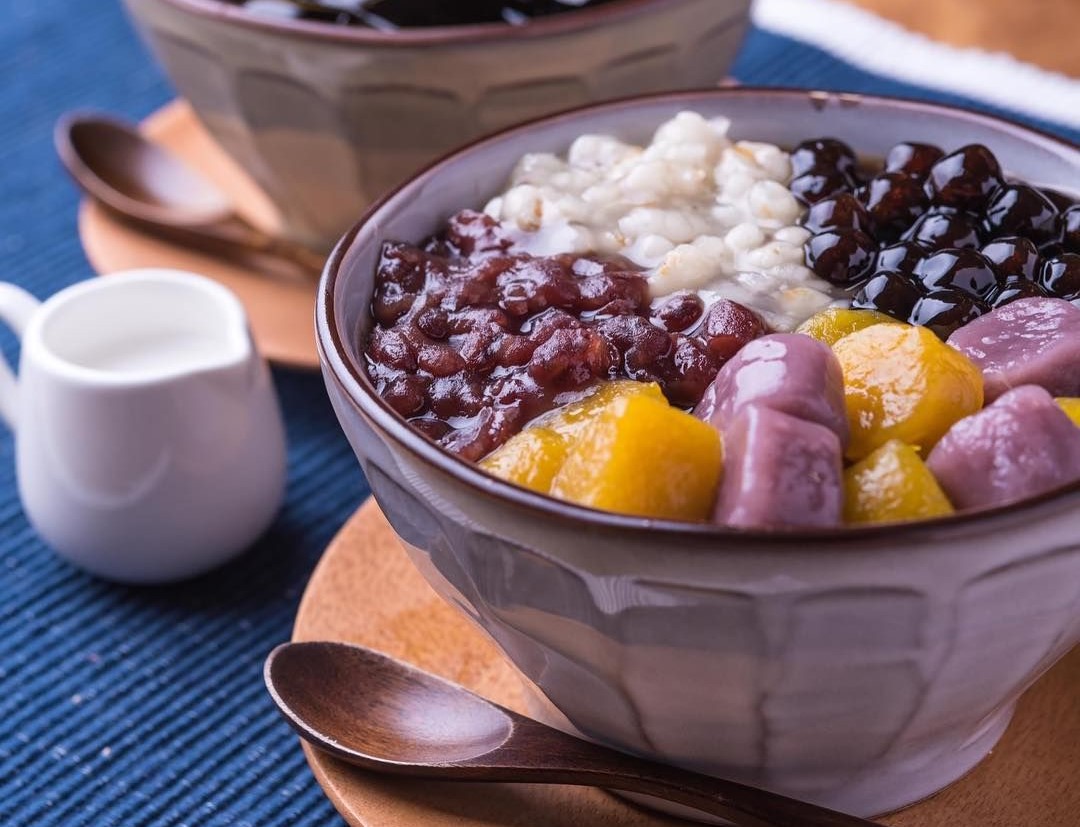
(326,124)
(861,669)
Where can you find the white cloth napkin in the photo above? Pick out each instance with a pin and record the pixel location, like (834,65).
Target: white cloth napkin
(882,47)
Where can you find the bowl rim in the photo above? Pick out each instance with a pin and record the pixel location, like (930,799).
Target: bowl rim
(354,382)
(552,25)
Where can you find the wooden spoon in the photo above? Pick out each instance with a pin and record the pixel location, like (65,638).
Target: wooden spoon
(146,185)
(380,714)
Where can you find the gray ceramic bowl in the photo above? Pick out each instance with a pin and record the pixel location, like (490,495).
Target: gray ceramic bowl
(325,118)
(861,668)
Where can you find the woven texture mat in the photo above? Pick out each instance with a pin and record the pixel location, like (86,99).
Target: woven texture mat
(144,706)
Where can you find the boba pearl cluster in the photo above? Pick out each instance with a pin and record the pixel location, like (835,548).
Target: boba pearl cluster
(696,210)
(934,239)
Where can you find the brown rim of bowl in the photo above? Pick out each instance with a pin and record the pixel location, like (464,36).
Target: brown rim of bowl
(555,24)
(354,382)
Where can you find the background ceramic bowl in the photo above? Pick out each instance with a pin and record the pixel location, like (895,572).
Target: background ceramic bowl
(863,669)
(326,118)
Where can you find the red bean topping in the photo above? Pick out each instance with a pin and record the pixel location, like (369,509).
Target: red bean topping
(433,322)
(392,349)
(440,360)
(679,311)
(474,234)
(473,338)
(728,326)
(407,394)
(691,369)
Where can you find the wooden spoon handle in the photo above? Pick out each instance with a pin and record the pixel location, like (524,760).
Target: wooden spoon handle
(236,231)
(739,804)
(237,241)
(549,755)
(303,257)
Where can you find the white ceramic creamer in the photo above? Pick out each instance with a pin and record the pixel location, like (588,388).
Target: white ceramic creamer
(149,441)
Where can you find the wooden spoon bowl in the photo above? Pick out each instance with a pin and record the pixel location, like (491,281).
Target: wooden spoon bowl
(381,714)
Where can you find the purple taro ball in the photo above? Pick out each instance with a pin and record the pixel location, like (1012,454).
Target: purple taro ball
(1033,341)
(1020,446)
(786,372)
(779,471)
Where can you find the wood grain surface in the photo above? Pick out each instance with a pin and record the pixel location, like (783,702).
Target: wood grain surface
(366,591)
(1043,32)
(281,312)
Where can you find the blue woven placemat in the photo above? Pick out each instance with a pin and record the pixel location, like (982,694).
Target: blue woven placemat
(137,707)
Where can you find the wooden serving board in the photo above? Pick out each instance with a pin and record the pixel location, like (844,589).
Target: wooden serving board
(366,591)
(281,313)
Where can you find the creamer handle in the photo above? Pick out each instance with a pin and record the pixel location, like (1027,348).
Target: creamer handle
(17,307)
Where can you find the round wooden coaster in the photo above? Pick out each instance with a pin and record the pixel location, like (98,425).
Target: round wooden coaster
(366,591)
(281,313)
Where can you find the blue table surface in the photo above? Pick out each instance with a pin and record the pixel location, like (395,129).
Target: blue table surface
(145,706)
